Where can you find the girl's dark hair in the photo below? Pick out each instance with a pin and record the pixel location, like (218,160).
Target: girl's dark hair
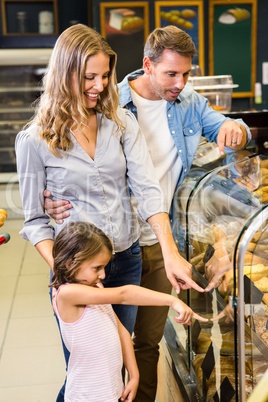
(77,242)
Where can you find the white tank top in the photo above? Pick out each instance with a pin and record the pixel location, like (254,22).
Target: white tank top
(95,364)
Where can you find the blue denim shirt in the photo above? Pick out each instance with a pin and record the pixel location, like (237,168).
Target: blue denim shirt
(189,118)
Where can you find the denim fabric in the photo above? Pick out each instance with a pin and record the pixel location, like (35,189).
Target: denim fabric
(189,118)
(124,269)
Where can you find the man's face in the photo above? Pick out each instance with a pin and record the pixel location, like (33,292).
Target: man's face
(169,76)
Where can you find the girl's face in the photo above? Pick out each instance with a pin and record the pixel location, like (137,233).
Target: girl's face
(95,79)
(91,272)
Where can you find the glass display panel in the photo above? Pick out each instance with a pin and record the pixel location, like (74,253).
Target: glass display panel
(212,209)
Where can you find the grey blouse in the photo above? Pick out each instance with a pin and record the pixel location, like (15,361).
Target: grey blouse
(97,189)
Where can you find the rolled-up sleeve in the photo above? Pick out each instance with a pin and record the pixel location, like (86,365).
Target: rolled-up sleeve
(141,174)
(32,182)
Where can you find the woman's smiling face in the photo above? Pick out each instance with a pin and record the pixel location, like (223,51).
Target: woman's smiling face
(95,79)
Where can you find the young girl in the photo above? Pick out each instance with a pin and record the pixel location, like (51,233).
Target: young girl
(98,343)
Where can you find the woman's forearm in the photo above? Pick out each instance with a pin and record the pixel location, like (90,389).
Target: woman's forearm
(179,271)
(161,227)
(44,248)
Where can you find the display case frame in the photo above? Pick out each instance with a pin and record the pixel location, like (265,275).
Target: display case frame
(235,385)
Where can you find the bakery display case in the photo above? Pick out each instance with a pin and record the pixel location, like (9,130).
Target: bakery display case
(221,227)
(21,71)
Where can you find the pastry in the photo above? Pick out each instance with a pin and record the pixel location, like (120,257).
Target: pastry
(226,366)
(195,260)
(264,180)
(254,259)
(262,284)
(218,233)
(264,163)
(265,298)
(251,247)
(226,342)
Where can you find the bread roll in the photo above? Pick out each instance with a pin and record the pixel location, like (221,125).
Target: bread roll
(195,260)
(264,180)
(218,233)
(251,247)
(265,298)
(262,284)
(264,163)
(264,171)
(227,369)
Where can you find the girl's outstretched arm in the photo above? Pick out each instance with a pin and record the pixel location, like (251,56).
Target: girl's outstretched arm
(129,363)
(78,295)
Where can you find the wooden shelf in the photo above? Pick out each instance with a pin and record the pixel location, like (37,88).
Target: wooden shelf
(32,8)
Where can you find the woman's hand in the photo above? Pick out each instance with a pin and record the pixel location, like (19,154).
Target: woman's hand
(179,273)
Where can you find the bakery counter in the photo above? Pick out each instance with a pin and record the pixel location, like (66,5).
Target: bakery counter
(223,214)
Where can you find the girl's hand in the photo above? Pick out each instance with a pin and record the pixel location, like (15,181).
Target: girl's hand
(130,390)
(185,313)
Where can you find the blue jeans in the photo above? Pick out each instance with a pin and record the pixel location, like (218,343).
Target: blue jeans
(123,269)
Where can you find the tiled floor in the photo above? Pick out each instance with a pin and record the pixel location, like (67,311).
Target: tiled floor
(32,367)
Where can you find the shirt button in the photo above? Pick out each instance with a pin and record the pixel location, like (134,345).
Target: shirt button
(169,115)
(190,131)
(180,150)
(185,170)
(173,132)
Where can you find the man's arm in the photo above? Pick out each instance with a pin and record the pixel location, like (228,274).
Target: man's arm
(58,210)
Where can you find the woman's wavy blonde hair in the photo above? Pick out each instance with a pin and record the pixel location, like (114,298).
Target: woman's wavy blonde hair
(58,107)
